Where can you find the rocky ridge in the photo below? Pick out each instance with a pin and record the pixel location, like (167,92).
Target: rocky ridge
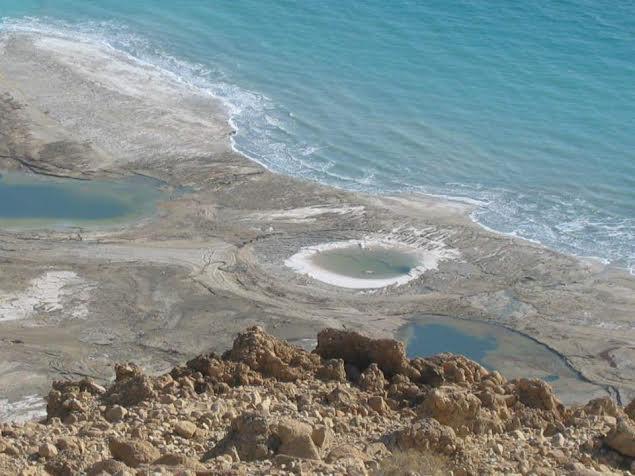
(354,406)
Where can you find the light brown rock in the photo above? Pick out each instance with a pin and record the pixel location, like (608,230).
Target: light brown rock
(47,450)
(183,461)
(296,439)
(185,429)
(361,351)
(109,466)
(622,437)
(322,436)
(427,434)
(115,413)
(133,452)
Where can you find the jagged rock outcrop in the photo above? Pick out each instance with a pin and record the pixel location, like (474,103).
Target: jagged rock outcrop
(131,386)
(266,407)
(361,351)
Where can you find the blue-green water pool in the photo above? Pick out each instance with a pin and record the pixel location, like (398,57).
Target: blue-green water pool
(33,200)
(511,353)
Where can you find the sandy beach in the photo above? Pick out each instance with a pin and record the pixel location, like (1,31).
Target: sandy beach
(211,259)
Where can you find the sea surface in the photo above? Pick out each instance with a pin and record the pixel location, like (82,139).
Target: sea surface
(525,109)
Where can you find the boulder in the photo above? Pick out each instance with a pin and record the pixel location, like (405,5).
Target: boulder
(459,409)
(180,460)
(249,437)
(427,434)
(47,450)
(131,386)
(108,466)
(133,452)
(360,351)
(185,429)
(372,379)
(115,413)
(296,439)
(622,437)
(538,394)
(272,357)
(603,406)
(630,409)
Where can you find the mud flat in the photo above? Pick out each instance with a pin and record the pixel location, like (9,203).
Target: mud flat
(210,261)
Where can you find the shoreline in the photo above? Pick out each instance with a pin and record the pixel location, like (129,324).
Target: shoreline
(212,260)
(66,32)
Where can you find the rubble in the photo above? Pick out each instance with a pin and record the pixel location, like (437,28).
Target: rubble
(353,406)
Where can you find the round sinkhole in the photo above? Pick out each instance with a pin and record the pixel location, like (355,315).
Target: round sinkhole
(366,262)
(362,264)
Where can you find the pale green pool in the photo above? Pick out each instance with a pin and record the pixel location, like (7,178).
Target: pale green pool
(366,263)
(32,200)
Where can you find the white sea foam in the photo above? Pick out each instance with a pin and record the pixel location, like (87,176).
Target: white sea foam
(53,291)
(429,253)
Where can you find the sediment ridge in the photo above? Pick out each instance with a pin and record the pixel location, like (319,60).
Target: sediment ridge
(354,405)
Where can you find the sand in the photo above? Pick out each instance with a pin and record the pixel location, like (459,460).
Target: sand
(211,259)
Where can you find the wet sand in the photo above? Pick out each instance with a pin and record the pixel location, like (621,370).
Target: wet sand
(211,260)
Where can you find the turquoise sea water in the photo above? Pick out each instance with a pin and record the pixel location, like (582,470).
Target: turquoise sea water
(525,108)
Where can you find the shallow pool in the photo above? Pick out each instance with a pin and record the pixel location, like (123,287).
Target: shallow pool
(366,262)
(496,348)
(33,200)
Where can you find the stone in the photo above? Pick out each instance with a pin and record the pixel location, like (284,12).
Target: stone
(322,436)
(183,461)
(630,409)
(427,434)
(346,451)
(133,452)
(537,394)
(378,404)
(115,413)
(622,437)
(558,440)
(185,429)
(601,406)
(372,379)
(109,466)
(131,386)
(296,439)
(249,438)
(272,357)
(361,351)
(47,450)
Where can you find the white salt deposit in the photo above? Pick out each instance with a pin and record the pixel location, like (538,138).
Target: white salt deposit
(29,408)
(53,291)
(307,214)
(429,253)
